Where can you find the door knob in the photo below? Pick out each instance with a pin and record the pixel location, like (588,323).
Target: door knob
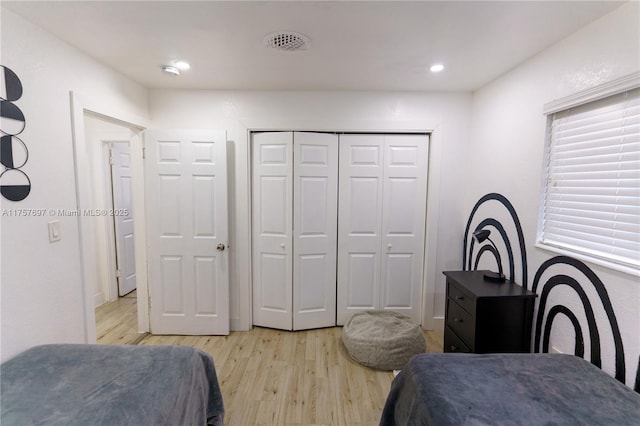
(220,247)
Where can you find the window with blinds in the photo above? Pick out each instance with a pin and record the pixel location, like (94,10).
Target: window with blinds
(591,200)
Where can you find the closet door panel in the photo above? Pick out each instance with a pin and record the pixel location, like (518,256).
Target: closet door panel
(362,271)
(399,269)
(274,289)
(359,223)
(274,191)
(272,156)
(403,223)
(364,218)
(315,197)
(312,290)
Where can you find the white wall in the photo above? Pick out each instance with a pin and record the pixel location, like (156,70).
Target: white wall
(509,134)
(448,114)
(41,295)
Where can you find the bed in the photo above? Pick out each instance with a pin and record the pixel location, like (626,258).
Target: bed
(528,388)
(507,389)
(110,385)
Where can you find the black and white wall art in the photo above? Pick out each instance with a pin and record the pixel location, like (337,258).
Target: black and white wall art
(15,184)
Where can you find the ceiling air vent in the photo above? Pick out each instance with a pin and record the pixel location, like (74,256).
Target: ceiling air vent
(288,41)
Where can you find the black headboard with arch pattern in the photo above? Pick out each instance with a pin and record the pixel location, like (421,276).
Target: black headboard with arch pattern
(564,272)
(469,242)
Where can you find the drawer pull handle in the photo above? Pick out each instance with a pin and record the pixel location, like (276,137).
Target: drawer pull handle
(459,297)
(454,348)
(457,320)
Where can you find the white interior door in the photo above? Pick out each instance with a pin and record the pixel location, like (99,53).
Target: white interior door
(315,223)
(381,223)
(187,231)
(272,227)
(359,224)
(120,156)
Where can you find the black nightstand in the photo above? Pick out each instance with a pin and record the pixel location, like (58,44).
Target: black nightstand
(483,316)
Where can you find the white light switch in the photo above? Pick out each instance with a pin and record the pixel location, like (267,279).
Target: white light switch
(54,231)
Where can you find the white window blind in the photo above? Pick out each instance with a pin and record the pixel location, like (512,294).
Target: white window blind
(591,202)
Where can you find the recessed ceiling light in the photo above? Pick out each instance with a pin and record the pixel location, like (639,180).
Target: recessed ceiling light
(436,67)
(182,65)
(171,70)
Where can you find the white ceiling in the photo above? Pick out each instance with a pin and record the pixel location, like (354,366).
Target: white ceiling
(355,45)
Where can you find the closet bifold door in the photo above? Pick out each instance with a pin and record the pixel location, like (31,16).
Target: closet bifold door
(315,233)
(359,224)
(295,181)
(272,228)
(382,206)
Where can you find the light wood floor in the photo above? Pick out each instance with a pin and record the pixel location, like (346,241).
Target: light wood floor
(273,377)
(117,322)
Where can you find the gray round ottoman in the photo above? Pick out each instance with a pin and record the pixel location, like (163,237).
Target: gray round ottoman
(382,339)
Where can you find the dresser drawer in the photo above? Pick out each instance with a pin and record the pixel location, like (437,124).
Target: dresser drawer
(461,322)
(453,343)
(467,303)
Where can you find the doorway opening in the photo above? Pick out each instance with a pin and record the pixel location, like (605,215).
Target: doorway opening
(111,222)
(82,107)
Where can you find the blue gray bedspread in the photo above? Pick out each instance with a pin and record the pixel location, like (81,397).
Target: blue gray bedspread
(507,389)
(110,385)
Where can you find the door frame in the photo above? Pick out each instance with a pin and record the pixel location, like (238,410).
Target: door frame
(80,105)
(242,231)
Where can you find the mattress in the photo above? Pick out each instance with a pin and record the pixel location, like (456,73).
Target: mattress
(507,389)
(110,385)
